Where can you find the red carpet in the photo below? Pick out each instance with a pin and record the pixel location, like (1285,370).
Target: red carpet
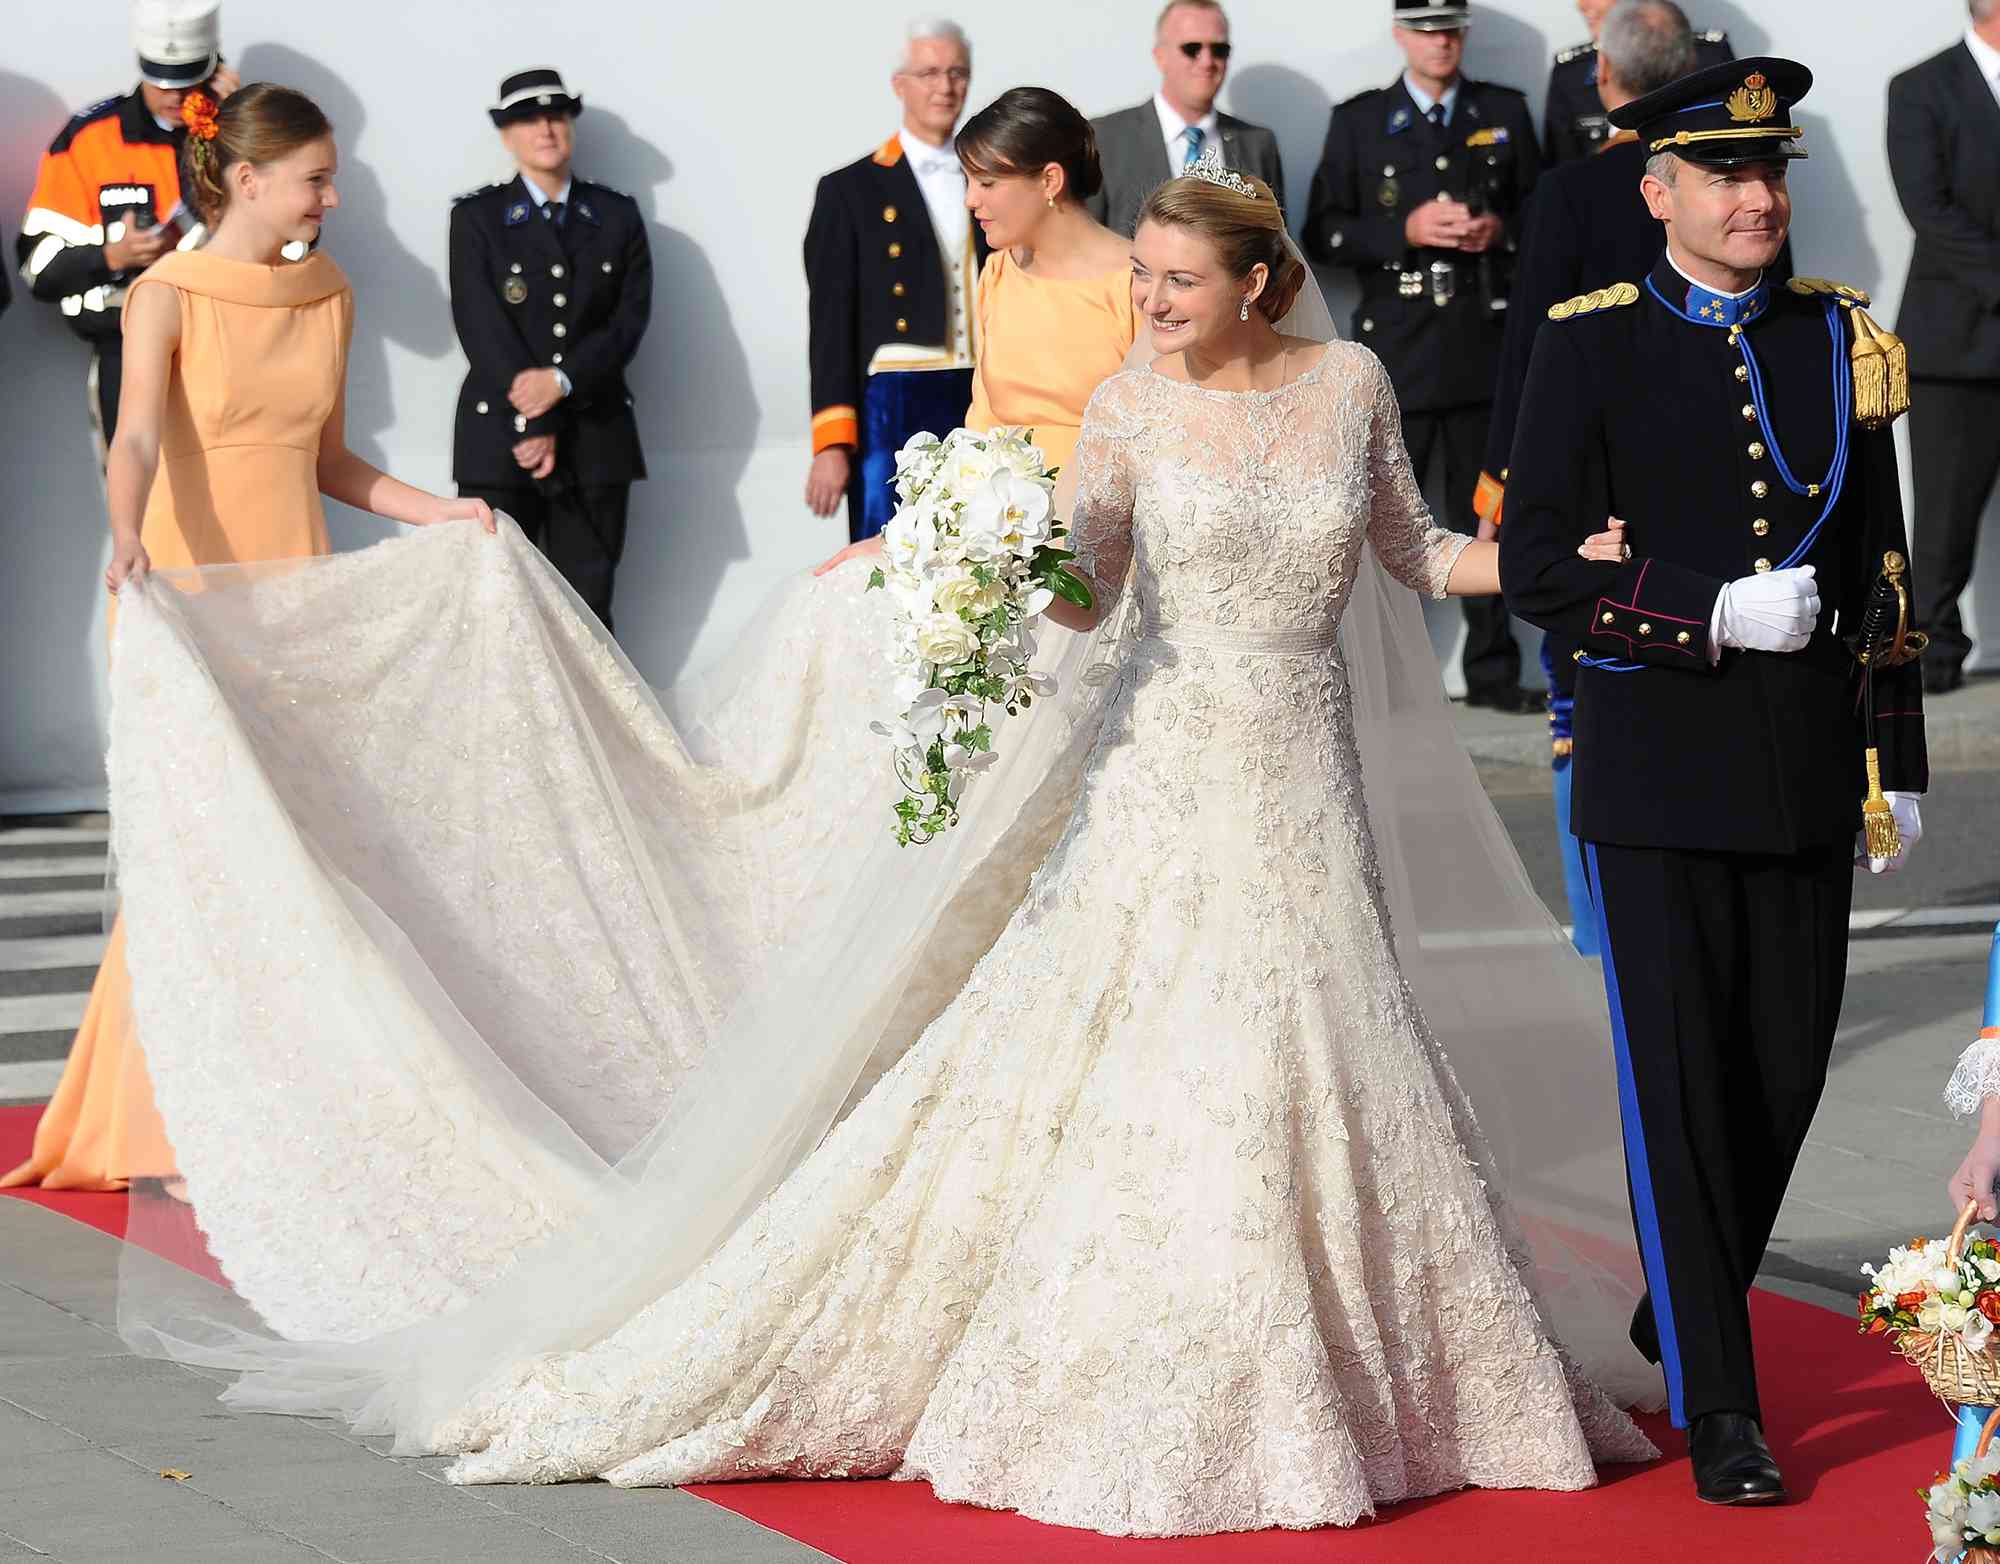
(1854,1428)
(184,1246)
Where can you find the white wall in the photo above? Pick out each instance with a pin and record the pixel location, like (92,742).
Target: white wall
(719,119)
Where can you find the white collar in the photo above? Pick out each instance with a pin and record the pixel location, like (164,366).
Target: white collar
(1424,100)
(1985,56)
(1696,282)
(540,197)
(1173,126)
(915,148)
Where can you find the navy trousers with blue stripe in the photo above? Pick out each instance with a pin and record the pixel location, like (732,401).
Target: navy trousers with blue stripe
(1725,973)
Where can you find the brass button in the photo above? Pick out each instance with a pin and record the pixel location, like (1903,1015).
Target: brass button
(888,214)
(1749,409)
(560,300)
(1761,527)
(1756,449)
(1683,638)
(895,252)
(1760,565)
(1645,628)
(899,290)
(1742,371)
(1609,619)
(902,324)
(1443,163)
(556,270)
(1760,488)
(560,329)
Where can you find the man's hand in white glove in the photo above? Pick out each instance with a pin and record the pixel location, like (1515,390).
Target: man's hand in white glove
(1771,612)
(1909,826)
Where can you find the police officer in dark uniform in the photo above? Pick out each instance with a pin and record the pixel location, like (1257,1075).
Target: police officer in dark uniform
(1740,428)
(1586,221)
(551,287)
(1573,118)
(1417,190)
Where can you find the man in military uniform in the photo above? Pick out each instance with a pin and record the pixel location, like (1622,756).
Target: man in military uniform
(1573,118)
(1417,190)
(892,266)
(551,287)
(1720,728)
(107,200)
(1587,221)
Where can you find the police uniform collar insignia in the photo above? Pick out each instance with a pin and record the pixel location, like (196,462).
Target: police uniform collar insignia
(1401,120)
(1706,307)
(585,210)
(517,214)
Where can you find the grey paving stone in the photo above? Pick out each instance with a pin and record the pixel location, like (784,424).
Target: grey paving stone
(652,1523)
(22,1433)
(74,1266)
(493,1539)
(33,1331)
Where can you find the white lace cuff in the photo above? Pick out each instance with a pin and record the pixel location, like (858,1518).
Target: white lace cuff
(1977,1077)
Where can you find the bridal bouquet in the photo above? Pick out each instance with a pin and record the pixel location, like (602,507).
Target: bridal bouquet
(1939,1305)
(972,557)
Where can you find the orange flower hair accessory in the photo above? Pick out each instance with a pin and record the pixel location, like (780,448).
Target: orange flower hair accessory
(198,111)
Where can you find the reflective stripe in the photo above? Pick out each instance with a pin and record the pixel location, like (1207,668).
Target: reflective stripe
(1645,1212)
(96,300)
(51,246)
(41,220)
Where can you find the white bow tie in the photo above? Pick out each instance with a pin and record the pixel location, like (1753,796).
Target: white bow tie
(925,167)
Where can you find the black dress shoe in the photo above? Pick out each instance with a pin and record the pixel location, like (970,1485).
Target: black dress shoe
(1942,678)
(1509,698)
(1732,1464)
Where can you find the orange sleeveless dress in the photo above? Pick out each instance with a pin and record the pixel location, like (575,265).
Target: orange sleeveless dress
(261,369)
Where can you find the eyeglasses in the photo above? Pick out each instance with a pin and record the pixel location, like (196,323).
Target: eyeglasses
(957,75)
(1219,50)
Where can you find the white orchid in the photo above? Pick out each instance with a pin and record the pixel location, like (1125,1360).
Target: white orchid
(909,541)
(1014,513)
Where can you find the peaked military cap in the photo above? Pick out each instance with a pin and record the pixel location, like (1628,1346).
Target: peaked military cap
(1720,116)
(1432,16)
(528,93)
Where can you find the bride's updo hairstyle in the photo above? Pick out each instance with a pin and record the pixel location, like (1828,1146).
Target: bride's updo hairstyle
(257,124)
(1024,130)
(1243,229)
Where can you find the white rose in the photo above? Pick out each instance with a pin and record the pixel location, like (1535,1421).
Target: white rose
(967,465)
(946,639)
(962,592)
(1954,1318)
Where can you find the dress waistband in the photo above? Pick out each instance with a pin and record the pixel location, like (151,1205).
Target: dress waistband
(1233,638)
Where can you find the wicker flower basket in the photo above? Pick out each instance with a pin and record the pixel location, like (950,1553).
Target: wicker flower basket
(1957,1374)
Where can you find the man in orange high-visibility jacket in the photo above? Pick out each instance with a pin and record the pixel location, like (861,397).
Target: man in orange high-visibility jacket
(107,200)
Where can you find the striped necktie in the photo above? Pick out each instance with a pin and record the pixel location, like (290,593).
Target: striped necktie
(1195,137)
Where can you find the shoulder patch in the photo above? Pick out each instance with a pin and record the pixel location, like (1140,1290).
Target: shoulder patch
(1617,296)
(1575,52)
(1806,287)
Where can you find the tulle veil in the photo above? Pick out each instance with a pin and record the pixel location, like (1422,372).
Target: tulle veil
(485,989)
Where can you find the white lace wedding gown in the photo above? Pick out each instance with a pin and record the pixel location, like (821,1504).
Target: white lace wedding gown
(1174,1220)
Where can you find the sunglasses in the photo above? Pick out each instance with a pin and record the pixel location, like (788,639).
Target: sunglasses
(1193,50)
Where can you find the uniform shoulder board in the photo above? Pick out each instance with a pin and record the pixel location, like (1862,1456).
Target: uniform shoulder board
(1575,51)
(1711,35)
(608,192)
(1806,287)
(474,194)
(1617,296)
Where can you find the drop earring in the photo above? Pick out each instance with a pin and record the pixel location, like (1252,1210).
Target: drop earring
(1244,313)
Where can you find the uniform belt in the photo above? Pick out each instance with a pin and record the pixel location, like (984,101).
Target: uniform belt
(1299,642)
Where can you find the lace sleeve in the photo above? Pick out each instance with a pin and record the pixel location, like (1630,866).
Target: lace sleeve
(1976,1078)
(1100,526)
(1412,547)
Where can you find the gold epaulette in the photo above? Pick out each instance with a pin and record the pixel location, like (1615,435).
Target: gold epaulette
(1825,285)
(1881,362)
(1617,296)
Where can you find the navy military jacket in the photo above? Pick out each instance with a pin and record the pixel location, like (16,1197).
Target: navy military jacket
(1635,412)
(1382,159)
(1573,122)
(876,276)
(528,295)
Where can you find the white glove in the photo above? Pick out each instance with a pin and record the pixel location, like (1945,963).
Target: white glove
(1909,826)
(1771,612)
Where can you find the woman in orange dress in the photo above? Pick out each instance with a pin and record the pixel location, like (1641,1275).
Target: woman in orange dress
(232,426)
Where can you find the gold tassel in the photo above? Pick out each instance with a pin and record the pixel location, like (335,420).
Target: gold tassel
(1881,373)
(1878,820)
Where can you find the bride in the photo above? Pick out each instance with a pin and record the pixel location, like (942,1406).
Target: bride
(1163,1215)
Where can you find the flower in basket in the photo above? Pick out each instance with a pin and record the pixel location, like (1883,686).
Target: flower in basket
(1931,1290)
(971,558)
(1963,1509)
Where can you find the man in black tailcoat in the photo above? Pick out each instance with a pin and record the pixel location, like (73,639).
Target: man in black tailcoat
(1719,729)
(1944,154)
(1418,191)
(551,288)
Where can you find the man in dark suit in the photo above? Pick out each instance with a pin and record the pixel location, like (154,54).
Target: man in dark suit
(892,273)
(1573,116)
(1418,190)
(1944,154)
(1721,751)
(551,287)
(1585,222)
(1142,147)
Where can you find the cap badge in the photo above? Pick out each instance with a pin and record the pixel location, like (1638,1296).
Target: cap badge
(1754,100)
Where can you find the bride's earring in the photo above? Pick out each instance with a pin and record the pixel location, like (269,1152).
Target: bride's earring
(1244,313)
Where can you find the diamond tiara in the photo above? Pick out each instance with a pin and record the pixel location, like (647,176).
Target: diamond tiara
(1208,166)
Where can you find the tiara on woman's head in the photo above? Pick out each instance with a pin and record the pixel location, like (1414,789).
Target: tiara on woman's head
(1209,167)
